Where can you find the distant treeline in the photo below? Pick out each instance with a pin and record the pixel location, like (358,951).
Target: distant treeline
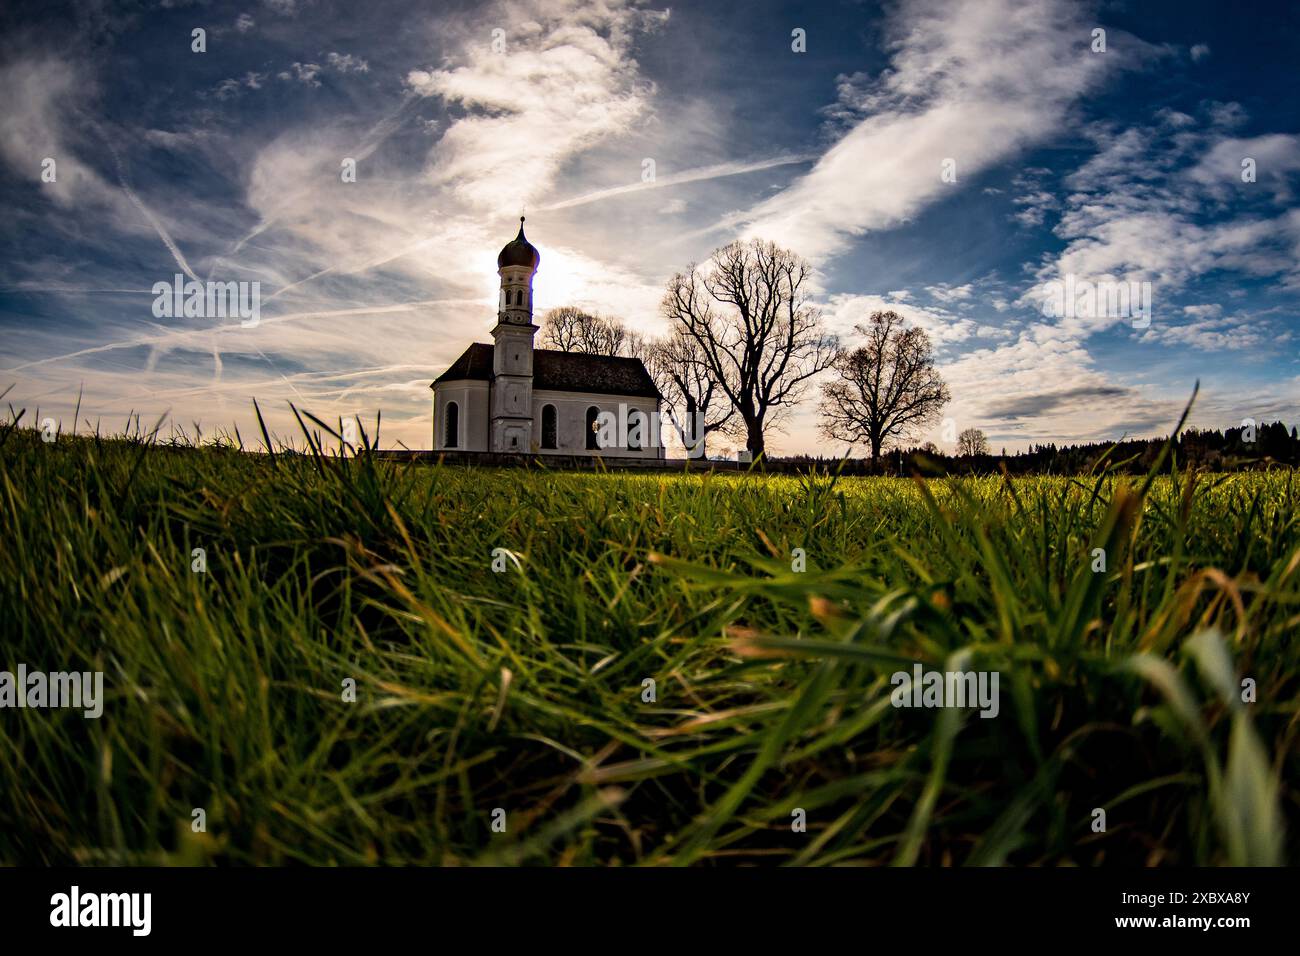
(1227,450)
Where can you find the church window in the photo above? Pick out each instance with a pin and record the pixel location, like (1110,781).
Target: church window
(451,427)
(635,423)
(548,427)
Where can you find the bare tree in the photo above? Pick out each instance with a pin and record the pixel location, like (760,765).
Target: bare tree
(972,442)
(635,345)
(561,328)
(758,335)
(696,404)
(887,388)
(570,329)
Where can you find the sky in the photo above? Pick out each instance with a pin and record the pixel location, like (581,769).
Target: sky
(958,163)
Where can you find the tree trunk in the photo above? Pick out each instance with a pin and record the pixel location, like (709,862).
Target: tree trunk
(754,437)
(693,427)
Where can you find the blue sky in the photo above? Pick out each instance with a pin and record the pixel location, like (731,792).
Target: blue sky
(1122,165)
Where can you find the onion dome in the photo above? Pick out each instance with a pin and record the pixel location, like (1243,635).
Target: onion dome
(519,251)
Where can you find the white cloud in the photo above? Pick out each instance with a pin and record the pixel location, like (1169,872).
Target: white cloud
(568,83)
(946,293)
(309,74)
(346,63)
(1033,201)
(1133,213)
(1276,159)
(43,95)
(1137,215)
(1212,333)
(46,119)
(306,73)
(233,86)
(845,311)
(975,82)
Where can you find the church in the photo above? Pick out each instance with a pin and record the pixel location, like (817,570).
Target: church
(512,398)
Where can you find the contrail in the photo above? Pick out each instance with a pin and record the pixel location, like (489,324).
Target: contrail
(304,378)
(689,176)
(370,141)
(153,220)
(182,336)
(364,267)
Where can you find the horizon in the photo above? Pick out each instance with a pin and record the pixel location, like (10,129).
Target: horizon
(638,138)
(179,435)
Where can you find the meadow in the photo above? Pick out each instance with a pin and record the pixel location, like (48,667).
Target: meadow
(342,676)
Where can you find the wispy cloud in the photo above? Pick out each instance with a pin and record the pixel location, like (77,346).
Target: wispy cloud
(969,84)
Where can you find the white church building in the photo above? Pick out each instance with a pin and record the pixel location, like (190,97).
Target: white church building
(511,397)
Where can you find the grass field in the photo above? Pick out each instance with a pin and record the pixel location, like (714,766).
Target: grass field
(523,689)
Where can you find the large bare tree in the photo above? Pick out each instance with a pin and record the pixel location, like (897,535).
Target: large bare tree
(886,388)
(748,311)
(695,402)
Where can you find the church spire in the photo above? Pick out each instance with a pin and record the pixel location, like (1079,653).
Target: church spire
(512,351)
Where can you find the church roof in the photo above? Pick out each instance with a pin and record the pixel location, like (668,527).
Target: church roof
(474,362)
(562,372)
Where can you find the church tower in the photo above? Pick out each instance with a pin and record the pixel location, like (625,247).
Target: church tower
(512,356)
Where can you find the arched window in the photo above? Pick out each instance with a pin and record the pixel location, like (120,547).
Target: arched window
(519,297)
(591,428)
(451,428)
(548,426)
(635,427)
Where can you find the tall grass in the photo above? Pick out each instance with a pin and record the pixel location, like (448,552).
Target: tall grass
(524,689)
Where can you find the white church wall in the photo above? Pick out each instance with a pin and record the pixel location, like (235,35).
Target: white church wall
(571,421)
(472,397)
